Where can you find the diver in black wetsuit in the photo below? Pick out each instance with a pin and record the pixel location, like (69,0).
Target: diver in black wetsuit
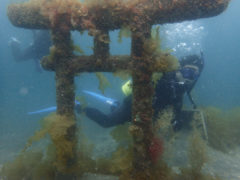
(35,51)
(172,86)
(169,91)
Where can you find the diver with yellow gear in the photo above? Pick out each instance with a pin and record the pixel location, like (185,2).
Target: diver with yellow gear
(169,91)
(127,88)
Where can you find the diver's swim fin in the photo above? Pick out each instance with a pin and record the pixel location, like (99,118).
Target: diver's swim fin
(114,103)
(107,100)
(49,109)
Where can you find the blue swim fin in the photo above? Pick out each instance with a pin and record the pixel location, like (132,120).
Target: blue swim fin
(114,103)
(107,100)
(49,109)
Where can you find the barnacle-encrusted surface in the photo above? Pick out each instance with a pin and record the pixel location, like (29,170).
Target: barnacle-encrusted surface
(112,14)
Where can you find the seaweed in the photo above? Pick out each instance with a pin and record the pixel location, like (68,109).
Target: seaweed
(156,37)
(160,171)
(197,154)
(166,62)
(163,125)
(78,49)
(62,156)
(46,124)
(29,165)
(223,128)
(197,158)
(123,74)
(197,147)
(102,37)
(118,163)
(38,164)
(156,77)
(103,82)
(163,60)
(121,134)
(57,127)
(85,163)
(120,160)
(125,32)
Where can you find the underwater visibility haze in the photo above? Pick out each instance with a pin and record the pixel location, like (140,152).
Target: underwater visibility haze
(69,145)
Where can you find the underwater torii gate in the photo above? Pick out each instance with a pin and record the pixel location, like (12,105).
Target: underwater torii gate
(100,17)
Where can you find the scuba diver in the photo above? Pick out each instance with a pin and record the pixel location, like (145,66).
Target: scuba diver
(169,91)
(35,51)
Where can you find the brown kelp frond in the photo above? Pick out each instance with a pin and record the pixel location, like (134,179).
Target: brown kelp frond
(162,60)
(125,32)
(103,82)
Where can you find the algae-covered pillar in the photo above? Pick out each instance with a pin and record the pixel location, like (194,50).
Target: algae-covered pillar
(98,18)
(61,56)
(142,130)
